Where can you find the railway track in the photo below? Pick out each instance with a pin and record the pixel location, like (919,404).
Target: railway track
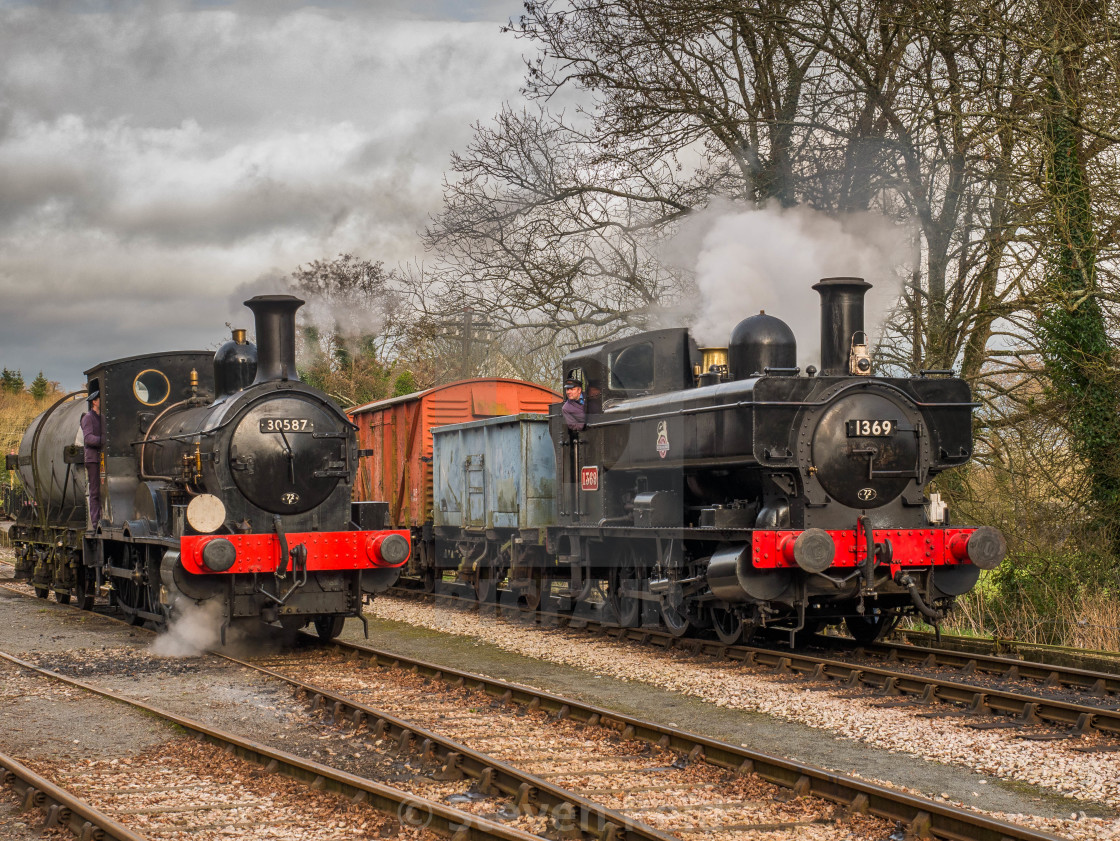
(61,808)
(1104,685)
(638,765)
(1034,653)
(919,816)
(1012,693)
(538,752)
(1055,670)
(179,787)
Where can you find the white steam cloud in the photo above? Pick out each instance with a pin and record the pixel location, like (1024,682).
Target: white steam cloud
(768,259)
(194,629)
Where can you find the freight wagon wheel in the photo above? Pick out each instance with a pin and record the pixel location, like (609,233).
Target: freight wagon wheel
(530,599)
(42,592)
(486,583)
(329,627)
(628,577)
(869,629)
(62,596)
(83,591)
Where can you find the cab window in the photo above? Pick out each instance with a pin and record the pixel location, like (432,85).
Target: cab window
(631,369)
(151,387)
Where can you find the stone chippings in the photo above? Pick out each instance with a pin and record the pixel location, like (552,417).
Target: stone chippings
(1051,765)
(646,782)
(184,788)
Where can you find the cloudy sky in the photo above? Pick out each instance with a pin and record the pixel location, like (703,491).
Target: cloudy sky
(157,156)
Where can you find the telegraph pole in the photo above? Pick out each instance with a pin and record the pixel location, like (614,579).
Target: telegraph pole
(470,330)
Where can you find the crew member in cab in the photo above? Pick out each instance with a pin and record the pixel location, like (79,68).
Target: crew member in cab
(574,410)
(91,441)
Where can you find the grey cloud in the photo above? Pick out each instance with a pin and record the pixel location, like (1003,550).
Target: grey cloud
(157,157)
(30,187)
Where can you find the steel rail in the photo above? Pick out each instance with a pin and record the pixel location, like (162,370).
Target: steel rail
(1106,662)
(978,699)
(458,760)
(1099,684)
(1030,709)
(461,826)
(922,817)
(63,808)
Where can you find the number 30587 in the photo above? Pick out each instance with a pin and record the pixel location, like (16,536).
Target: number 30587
(286,425)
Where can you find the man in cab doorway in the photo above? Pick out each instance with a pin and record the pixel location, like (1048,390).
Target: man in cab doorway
(91,440)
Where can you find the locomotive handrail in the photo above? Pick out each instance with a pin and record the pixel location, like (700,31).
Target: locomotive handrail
(144,442)
(187,436)
(743,404)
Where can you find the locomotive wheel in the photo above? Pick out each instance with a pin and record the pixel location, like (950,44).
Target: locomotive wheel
(869,629)
(808,634)
(131,597)
(329,627)
(428,579)
(675,618)
(291,623)
(42,592)
(630,575)
(62,596)
(728,625)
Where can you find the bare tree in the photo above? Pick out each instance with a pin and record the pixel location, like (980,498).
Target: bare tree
(352,328)
(549,232)
(842,106)
(944,113)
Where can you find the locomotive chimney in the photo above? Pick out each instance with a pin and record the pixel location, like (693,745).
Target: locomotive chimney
(276,336)
(841,320)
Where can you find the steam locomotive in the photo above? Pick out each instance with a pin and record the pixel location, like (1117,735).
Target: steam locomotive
(715,489)
(225,481)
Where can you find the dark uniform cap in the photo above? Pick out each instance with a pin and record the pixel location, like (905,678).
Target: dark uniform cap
(570,383)
(93,395)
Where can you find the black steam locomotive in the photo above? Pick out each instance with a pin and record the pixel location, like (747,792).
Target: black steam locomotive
(735,492)
(225,481)
(712,489)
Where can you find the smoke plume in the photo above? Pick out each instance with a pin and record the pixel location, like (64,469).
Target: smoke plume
(768,259)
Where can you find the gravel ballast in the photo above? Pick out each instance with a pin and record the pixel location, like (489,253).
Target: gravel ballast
(1055,787)
(937,757)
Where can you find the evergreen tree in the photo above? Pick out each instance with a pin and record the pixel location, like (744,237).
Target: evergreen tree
(11,381)
(404,384)
(40,387)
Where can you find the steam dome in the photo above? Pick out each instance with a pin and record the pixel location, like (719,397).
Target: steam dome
(760,342)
